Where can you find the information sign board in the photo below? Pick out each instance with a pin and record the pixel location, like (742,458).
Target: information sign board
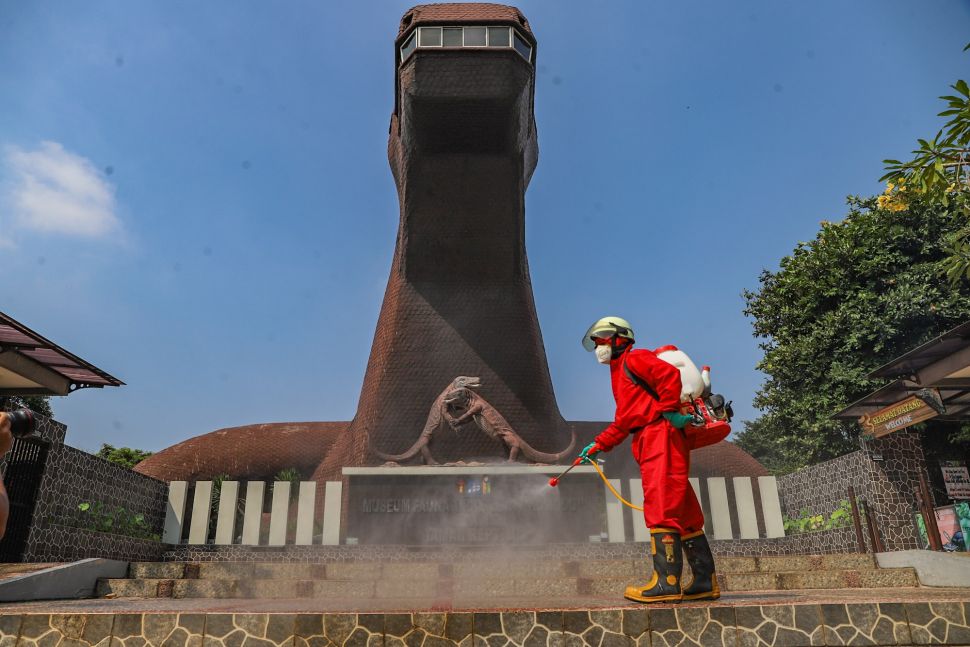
(956,478)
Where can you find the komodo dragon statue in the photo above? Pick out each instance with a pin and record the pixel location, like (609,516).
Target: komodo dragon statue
(459,397)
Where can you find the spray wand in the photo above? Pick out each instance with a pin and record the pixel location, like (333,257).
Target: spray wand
(554,481)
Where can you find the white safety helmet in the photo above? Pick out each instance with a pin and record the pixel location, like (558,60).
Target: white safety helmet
(607,328)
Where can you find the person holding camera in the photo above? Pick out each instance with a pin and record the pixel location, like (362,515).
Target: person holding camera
(13,424)
(6,440)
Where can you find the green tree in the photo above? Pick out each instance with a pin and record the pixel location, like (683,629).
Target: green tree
(939,171)
(124,456)
(864,291)
(39,403)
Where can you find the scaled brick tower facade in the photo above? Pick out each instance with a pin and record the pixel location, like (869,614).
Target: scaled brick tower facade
(462,149)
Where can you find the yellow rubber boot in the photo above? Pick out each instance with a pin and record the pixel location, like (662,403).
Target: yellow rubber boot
(668,563)
(704,584)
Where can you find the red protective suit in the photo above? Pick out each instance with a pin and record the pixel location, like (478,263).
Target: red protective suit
(660,448)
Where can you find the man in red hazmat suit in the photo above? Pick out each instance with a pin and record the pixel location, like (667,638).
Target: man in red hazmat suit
(648,392)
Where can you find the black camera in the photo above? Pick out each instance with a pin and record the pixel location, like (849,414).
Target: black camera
(22,422)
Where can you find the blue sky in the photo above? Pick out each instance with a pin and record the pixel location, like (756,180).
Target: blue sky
(195,196)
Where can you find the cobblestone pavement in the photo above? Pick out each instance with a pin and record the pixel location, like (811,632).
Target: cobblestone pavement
(770,619)
(728,600)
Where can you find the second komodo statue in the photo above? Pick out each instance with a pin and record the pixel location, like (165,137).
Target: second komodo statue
(458,398)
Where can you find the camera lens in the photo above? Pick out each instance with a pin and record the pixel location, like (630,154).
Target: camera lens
(22,422)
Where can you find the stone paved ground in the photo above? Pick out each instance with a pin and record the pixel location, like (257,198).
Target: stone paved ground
(788,619)
(385,605)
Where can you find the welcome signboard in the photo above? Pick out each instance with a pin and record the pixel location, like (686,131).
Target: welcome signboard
(897,416)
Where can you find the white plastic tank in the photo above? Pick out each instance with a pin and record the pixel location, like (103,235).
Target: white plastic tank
(690,378)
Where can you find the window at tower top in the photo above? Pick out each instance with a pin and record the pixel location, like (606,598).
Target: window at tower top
(491,37)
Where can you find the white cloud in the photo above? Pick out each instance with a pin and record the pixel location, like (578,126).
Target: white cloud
(53,190)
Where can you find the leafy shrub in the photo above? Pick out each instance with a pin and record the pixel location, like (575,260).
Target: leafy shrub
(293,477)
(118,521)
(808,522)
(290,474)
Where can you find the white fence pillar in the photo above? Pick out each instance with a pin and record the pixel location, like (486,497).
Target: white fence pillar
(771,506)
(333,494)
(695,485)
(744,503)
(279,513)
(226,520)
(640,531)
(253,515)
(720,513)
(304,514)
(201,511)
(614,514)
(175,512)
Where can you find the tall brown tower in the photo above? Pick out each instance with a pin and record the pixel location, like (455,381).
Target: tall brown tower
(462,149)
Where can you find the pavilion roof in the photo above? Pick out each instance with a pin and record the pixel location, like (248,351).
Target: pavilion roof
(942,364)
(31,364)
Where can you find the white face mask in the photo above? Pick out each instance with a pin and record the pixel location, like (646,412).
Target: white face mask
(604,353)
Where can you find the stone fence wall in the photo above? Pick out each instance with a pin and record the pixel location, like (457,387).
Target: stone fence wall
(820,489)
(885,477)
(59,543)
(72,477)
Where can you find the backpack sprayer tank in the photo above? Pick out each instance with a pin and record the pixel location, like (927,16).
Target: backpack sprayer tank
(711,412)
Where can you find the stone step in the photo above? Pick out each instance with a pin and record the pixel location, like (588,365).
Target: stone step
(841,579)
(486,587)
(787,563)
(478,569)
(409,571)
